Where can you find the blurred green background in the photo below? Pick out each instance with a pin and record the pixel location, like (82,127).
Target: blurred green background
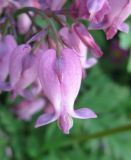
(106,90)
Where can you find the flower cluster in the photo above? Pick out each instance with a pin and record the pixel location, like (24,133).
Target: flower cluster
(47,67)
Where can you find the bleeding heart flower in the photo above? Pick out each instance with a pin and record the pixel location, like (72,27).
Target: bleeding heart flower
(60,78)
(114,20)
(7,45)
(23,69)
(16,62)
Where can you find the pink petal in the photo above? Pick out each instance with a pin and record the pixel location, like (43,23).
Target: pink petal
(97,9)
(84,113)
(65,122)
(44,119)
(95,5)
(100,15)
(124,27)
(90,63)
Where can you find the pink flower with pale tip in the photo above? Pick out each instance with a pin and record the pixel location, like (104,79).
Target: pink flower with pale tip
(114,20)
(7,45)
(87,39)
(60,79)
(23,69)
(16,63)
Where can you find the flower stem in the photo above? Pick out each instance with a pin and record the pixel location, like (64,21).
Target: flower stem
(69,141)
(45,15)
(103,133)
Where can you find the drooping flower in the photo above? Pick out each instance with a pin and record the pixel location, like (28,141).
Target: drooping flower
(23,69)
(88,40)
(17,60)
(7,45)
(60,79)
(114,20)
